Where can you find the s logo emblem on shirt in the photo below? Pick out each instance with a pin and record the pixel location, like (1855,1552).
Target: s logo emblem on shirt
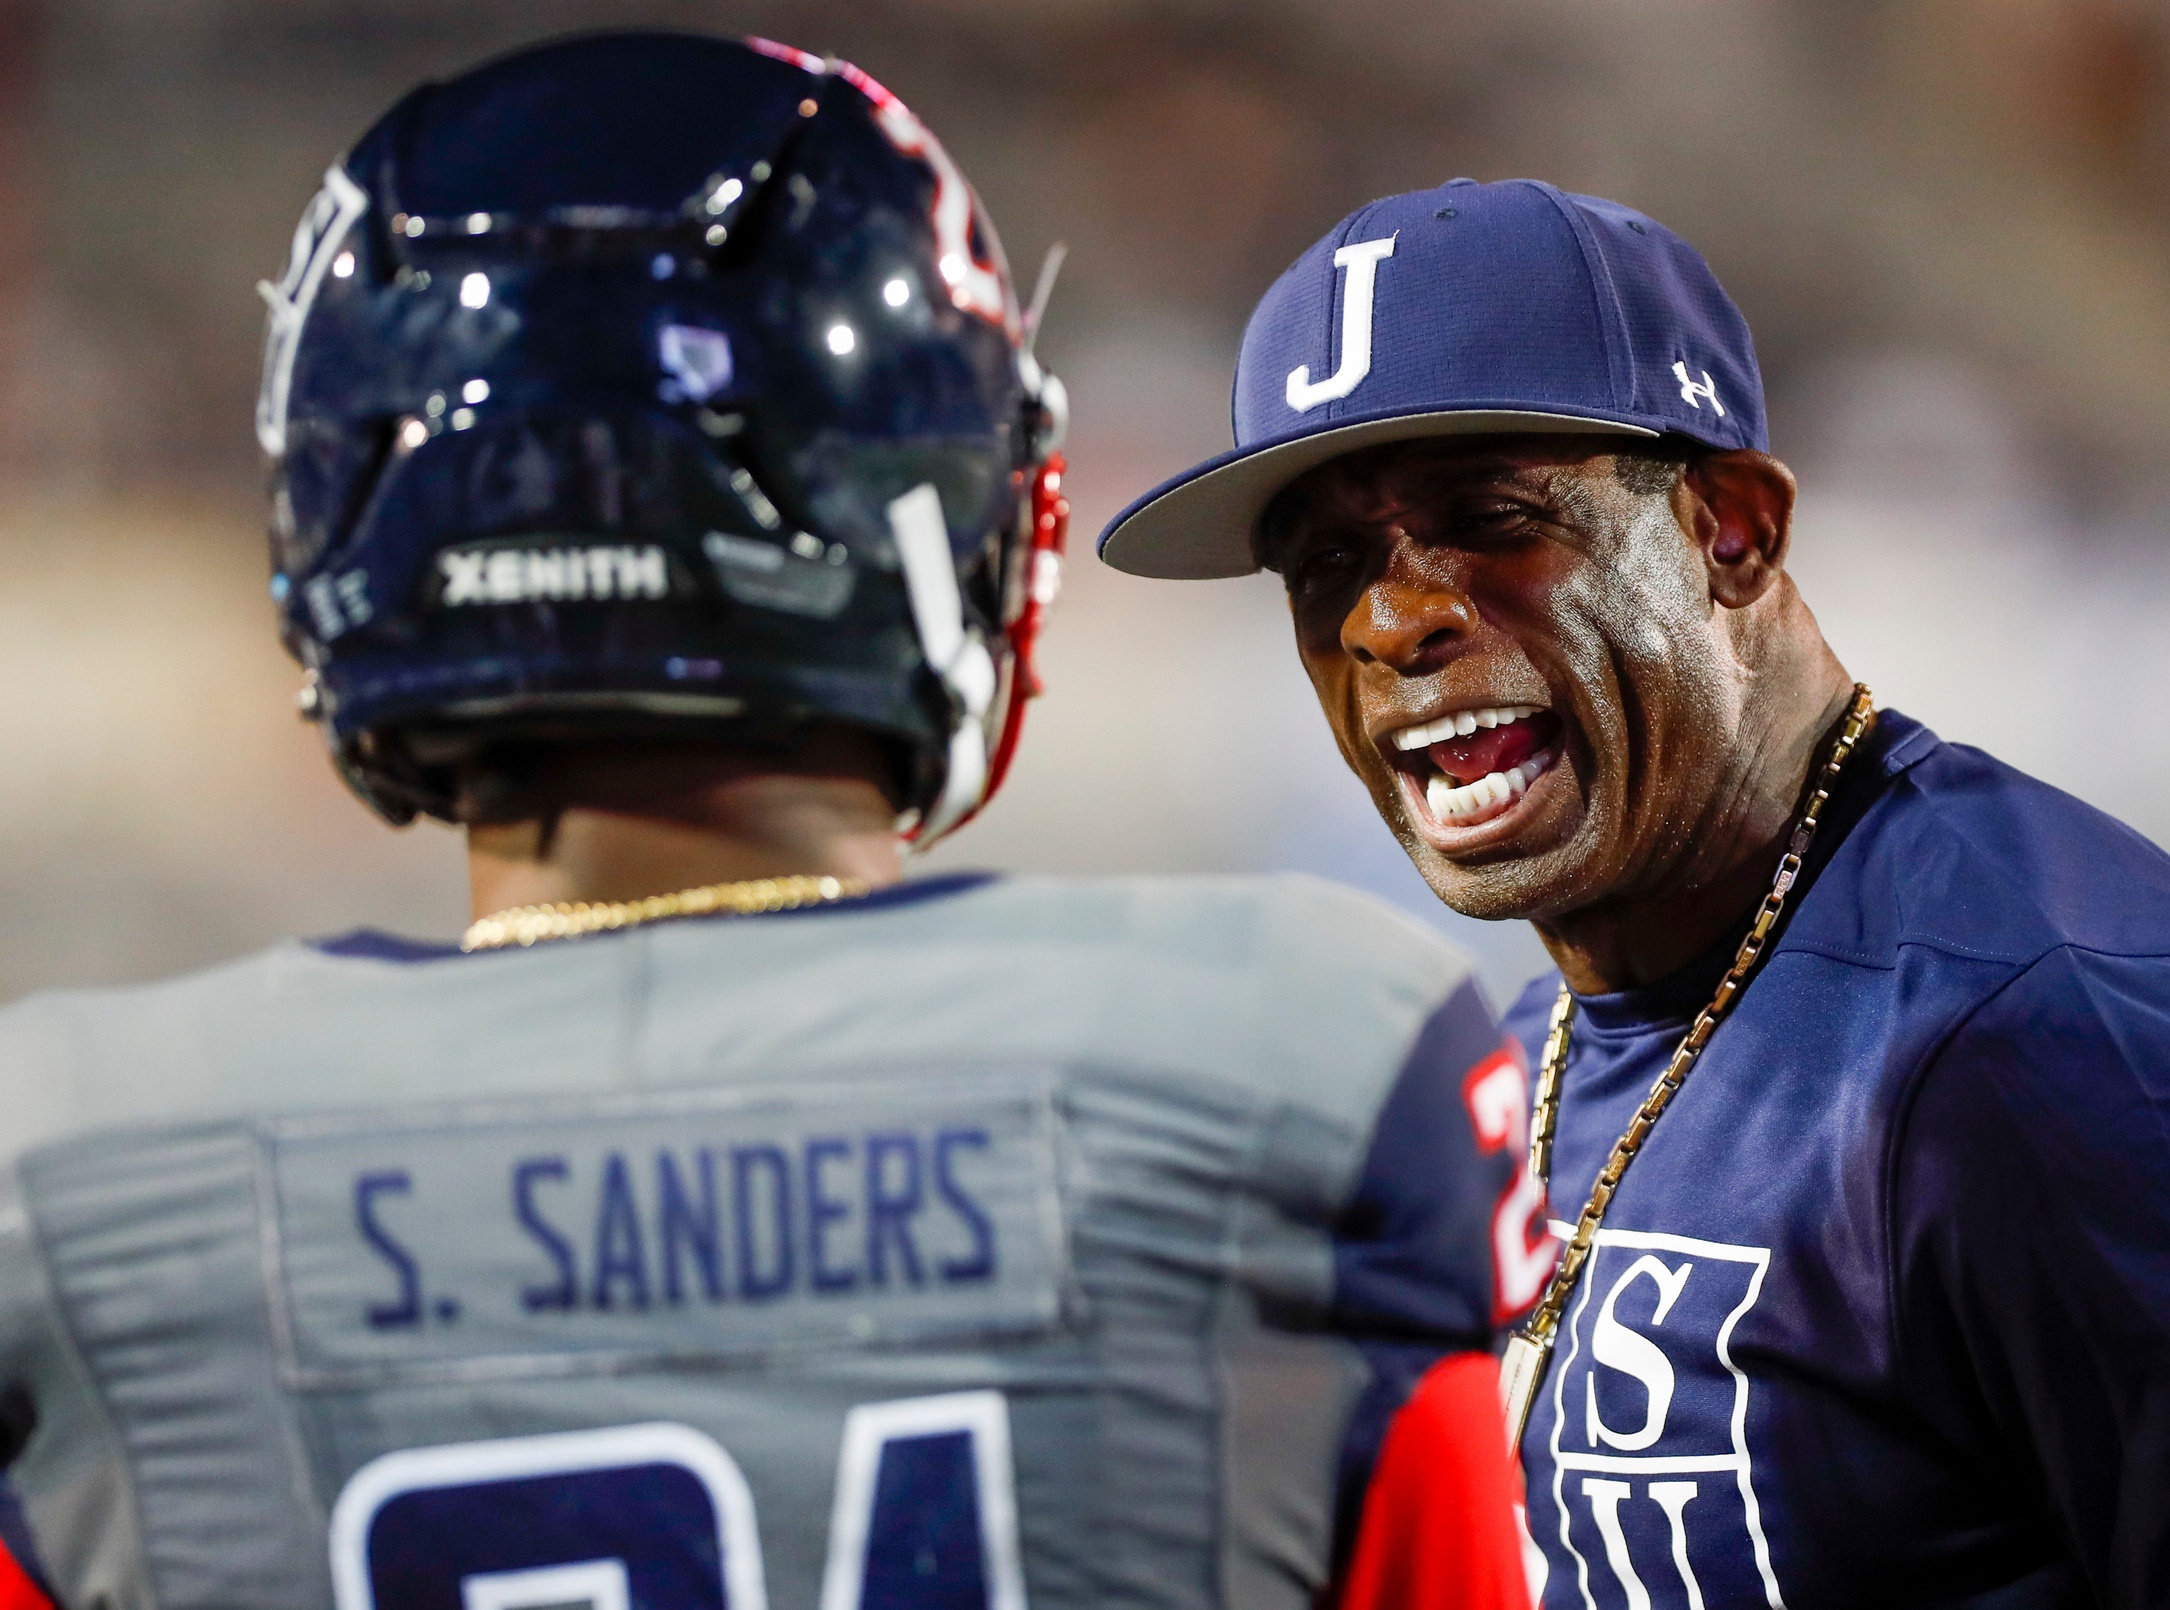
(1652,1484)
(1617,1347)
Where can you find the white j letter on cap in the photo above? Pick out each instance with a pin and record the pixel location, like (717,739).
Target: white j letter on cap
(1361,259)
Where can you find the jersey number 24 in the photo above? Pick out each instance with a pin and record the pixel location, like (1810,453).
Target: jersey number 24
(659,1515)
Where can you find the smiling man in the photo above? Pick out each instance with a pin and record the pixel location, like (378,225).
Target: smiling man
(1877,1311)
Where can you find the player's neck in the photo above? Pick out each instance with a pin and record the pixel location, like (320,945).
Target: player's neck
(1630,942)
(735,829)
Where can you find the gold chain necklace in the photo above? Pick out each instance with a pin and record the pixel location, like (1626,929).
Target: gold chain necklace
(531,925)
(1529,1350)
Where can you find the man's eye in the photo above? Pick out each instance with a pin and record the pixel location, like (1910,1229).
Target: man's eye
(1322,567)
(1490,520)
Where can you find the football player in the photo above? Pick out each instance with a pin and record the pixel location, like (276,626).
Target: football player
(666,493)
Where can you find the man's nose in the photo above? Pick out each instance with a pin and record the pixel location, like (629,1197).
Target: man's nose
(1407,622)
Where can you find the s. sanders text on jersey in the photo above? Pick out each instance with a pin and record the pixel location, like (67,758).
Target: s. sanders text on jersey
(831,1215)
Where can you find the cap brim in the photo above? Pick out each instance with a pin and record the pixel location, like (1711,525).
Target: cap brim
(1198,527)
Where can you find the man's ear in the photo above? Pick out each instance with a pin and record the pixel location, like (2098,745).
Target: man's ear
(1739,513)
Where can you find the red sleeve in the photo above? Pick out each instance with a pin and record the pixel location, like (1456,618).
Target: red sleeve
(1438,1528)
(17,1590)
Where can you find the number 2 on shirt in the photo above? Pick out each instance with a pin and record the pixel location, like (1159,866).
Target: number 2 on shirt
(1497,1093)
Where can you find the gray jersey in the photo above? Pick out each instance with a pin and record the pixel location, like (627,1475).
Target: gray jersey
(975,1243)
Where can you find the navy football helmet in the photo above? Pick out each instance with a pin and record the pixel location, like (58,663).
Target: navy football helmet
(650,383)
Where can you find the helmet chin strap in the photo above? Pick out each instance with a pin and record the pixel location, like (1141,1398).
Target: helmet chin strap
(957,656)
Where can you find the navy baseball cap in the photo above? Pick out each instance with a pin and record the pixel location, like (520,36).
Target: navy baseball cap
(1472,309)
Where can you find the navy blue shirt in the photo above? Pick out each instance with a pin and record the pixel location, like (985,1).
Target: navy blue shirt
(1882,1313)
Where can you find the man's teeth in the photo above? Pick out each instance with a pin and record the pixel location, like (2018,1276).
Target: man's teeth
(1452,804)
(1460,725)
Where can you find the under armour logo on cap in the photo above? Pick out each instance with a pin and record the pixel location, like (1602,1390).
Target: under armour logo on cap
(1694,394)
(1473,309)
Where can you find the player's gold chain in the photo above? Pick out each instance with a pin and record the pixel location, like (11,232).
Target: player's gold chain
(1529,1350)
(531,925)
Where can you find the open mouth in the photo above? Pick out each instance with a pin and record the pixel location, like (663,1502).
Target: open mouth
(1474,765)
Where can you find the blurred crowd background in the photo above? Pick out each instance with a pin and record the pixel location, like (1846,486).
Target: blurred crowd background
(1947,220)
